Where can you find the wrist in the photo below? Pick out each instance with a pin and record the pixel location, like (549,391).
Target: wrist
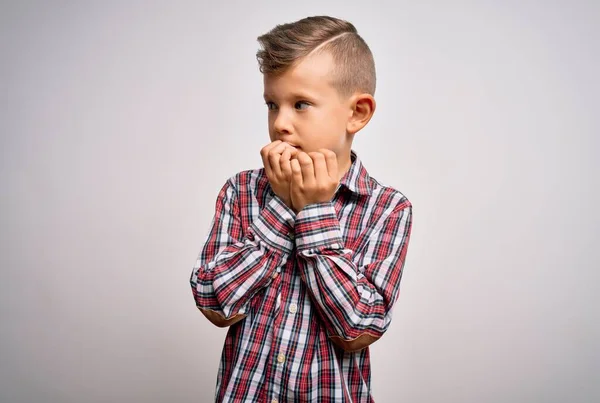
(287,202)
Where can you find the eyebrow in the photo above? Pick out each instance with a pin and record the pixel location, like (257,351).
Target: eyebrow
(294,95)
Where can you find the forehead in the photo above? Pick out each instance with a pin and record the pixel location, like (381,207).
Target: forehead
(312,74)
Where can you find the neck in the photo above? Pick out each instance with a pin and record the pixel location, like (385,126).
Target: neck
(344,166)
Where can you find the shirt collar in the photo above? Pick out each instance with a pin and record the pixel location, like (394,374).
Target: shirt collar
(357,179)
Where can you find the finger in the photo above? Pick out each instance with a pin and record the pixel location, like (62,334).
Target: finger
(284,163)
(308,170)
(264,153)
(274,156)
(320,167)
(294,152)
(266,149)
(331,161)
(296,172)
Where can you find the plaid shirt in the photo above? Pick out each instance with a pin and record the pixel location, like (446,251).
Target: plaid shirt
(303,295)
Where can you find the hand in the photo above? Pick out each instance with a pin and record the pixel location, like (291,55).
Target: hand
(276,158)
(314,178)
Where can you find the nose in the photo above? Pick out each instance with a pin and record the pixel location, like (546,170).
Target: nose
(282,123)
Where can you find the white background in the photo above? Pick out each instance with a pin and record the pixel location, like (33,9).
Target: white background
(120,121)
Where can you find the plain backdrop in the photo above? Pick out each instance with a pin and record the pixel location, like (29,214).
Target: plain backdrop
(121,120)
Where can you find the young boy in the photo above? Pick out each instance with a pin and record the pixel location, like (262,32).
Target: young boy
(304,256)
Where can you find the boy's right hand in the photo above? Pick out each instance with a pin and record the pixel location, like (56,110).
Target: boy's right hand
(276,158)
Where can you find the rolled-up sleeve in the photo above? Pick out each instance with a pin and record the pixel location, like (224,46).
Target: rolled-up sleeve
(354,302)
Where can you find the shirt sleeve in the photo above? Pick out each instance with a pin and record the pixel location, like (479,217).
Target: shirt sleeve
(232,267)
(355,302)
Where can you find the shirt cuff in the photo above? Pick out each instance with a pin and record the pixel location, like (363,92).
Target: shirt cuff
(275,225)
(317,227)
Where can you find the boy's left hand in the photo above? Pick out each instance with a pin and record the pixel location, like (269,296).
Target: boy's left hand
(314,178)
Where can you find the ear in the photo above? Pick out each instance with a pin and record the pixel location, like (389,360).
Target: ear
(362,107)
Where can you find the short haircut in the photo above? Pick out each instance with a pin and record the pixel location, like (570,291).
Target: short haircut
(286,44)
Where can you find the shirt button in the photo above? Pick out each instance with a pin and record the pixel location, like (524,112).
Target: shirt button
(292,236)
(293,308)
(280,358)
(275,275)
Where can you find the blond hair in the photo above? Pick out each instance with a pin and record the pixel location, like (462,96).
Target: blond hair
(286,44)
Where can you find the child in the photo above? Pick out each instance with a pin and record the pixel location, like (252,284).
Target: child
(304,256)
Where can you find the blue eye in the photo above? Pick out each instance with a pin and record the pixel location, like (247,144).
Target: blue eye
(297,105)
(271,106)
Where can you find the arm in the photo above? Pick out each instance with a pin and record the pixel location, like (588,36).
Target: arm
(355,303)
(232,268)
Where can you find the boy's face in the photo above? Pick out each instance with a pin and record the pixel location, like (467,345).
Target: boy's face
(305,110)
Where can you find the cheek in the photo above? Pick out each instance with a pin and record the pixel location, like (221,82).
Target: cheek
(270,129)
